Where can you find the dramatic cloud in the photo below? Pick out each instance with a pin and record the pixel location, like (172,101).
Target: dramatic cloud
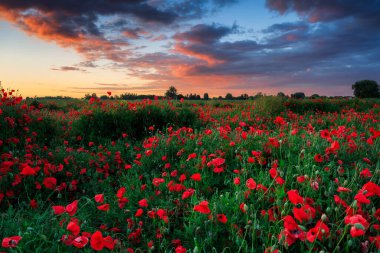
(331,44)
(99,28)
(67,68)
(328,10)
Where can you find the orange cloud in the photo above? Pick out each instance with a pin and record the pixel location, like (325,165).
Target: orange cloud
(182,49)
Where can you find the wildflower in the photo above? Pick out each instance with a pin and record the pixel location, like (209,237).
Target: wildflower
(50,182)
(202,207)
(222,218)
(196,177)
(318,158)
(251,184)
(143,203)
(11,242)
(96,241)
(294,197)
(99,198)
(188,193)
(104,207)
(80,242)
(73,228)
(72,208)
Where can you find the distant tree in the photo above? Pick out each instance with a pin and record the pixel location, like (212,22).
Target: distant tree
(229,96)
(314,96)
(180,96)
(244,96)
(104,97)
(281,94)
(366,89)
(259,94)
(171,93)
(298,95)
(88,96)
(205,96)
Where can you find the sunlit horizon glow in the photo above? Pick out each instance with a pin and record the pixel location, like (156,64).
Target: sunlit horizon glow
(213,46)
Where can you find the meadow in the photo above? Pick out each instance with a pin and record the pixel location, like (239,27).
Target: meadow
(270,175)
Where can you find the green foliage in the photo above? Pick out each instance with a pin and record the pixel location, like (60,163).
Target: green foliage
(172,141)
(329,105)
(269,105)
(102,125)
(366,89)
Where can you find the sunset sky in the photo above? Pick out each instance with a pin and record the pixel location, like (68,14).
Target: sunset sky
(72,47)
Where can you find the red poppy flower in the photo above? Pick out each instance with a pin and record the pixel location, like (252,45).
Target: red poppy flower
(180,249)
(28,171)
(375,240)
(325,134)
(361,198)
(143,203)
(251,159)
(11,242)
(217,162)
(251,184)
(104,207)
(335,146)
(222,218)
(157,181)
(301,179)
(318,158)
(191,156)
(96,241)
(139,212)
(294,197)
(218,170)
(243,207)
(72,208)
(120,193)
(304,213)
(80,242)
(99,198)
(196,177)
(319,231)
(58,210)
(109,243)
(356,231)
(188,193)
(73,228)
(33,203)
(365,173)
(50,182)
(182,178)
(202,207)
(343,189)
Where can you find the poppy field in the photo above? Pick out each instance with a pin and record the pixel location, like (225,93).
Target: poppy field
(269,175)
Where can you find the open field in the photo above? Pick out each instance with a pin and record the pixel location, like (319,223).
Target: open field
(268,175)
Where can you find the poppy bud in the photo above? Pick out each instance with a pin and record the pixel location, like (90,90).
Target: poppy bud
(359,226)
(324,217)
